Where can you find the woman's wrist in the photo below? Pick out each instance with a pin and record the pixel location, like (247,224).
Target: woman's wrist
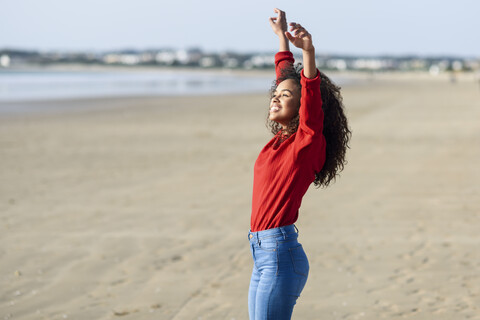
(309,67)
(284,43)
(309,51)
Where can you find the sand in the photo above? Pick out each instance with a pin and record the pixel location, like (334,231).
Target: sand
(139,208)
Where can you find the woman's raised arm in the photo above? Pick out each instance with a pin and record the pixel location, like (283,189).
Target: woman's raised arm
(284,58)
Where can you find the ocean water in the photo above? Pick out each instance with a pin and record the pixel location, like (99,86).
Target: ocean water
(20,91)
(39,85)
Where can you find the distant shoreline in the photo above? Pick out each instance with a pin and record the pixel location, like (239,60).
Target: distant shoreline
(219,70)
(136,68)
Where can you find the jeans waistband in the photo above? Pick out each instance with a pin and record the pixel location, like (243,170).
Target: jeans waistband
(274,232)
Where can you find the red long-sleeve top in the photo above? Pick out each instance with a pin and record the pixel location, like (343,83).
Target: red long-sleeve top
(283,172)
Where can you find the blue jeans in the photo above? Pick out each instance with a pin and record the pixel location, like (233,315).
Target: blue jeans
(280,271)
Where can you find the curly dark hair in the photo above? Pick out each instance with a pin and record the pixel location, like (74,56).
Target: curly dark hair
(335,129)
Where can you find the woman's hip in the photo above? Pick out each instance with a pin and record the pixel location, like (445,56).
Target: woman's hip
(278,251)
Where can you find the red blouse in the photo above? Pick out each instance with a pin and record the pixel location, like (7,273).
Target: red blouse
(283,172)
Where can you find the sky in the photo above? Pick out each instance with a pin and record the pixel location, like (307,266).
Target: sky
(368,27)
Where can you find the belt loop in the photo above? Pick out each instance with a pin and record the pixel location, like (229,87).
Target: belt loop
(296,229)
(284,233)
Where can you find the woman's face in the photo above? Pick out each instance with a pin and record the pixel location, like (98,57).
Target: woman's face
(285,102)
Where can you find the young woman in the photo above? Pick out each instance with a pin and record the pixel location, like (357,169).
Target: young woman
(311,136)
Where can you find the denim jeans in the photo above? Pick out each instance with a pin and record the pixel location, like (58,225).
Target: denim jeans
(280,271)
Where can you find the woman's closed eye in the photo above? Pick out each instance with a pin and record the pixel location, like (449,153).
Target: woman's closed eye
(283,95)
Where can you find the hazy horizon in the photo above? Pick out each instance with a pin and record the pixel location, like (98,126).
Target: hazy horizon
(346,54)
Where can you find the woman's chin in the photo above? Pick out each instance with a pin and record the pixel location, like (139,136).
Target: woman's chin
(273,117)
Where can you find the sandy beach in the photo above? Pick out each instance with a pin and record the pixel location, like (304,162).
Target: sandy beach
(139,208)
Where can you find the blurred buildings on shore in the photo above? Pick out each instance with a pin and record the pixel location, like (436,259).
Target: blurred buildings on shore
(196,58)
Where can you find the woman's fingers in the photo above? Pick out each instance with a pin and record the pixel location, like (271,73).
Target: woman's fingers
(298,30)
(296,26)
(303,34)
(278,12)
(280,17)
(281,14)
(272,21)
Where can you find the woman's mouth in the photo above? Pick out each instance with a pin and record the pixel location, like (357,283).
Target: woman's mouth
(275,108)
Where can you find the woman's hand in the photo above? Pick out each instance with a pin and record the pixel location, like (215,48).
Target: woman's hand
(300,38)
(303,40)
(279,23)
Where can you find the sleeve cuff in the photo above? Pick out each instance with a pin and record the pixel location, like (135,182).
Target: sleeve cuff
(283,55)
(306,82)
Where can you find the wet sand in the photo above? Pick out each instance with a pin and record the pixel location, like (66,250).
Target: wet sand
(139,208)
